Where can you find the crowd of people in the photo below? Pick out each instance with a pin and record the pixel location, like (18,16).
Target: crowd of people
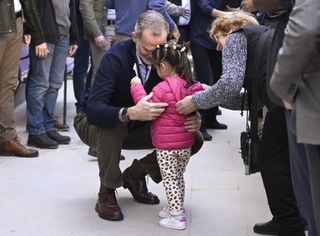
(142,92)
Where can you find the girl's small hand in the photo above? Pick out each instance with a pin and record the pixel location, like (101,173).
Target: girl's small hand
(135,80)
(205,86)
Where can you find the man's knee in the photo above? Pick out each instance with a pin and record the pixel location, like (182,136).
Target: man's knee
(86,132)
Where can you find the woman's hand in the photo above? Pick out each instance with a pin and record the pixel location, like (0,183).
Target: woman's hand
(186,106)
(193,122)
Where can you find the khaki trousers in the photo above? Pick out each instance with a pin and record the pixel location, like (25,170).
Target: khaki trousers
(10,45)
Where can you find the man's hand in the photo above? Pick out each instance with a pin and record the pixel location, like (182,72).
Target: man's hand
(26,40)
(145,110)
(193,123)
(287,105)
(42,50)
(186,106)
(176,34)
(72,49)
(101,41)
(247,5)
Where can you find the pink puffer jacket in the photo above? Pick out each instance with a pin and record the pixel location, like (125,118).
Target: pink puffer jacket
(168,131)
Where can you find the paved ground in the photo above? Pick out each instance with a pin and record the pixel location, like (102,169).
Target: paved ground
(55,194)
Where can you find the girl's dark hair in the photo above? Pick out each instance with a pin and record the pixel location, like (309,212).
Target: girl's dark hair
(176,56)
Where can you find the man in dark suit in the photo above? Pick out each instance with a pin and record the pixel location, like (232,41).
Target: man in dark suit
(296,80)
(116,123)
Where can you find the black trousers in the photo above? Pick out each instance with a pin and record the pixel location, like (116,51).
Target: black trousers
(208,69)
(276,175)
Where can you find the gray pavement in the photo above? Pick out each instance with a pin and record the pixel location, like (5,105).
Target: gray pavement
(55,194)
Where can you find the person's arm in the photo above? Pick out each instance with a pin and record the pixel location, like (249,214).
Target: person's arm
(32,25)
(173,9)
(270,5)
(100,112)
(109,4)
(208,9)
(226,92)
(159,5)
(90,23)
(298,49)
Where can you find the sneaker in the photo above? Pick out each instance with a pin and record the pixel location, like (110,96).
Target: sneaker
(61,139)
(42,141)
(165,212)
(174,222)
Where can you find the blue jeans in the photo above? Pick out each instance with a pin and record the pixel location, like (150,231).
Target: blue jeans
(44,82)
(81,64)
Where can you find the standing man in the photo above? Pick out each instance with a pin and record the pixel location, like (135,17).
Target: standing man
(58,20)
(94,16)
(11,34)
(112,122)
(296,80)
(127,12)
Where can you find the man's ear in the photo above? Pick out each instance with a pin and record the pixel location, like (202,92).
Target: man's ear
(134,37)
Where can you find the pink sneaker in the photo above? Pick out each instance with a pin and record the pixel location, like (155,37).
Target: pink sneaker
(174,222)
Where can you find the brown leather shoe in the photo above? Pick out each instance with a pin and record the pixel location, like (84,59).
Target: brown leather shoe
(138,189)
(107,206)
(14,148)
(61,127)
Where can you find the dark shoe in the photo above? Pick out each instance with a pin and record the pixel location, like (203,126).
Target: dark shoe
(219,112)
(138,189)
(206,136)
(42,141)
(267,228)
(61,127)
(216,125)
(122,157)
(92,152)
(14,148)
(61,139)
(107,206)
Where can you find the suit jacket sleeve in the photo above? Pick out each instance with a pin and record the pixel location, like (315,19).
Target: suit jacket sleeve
(299,46)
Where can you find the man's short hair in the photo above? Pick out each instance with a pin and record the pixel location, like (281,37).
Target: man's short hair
(153,21)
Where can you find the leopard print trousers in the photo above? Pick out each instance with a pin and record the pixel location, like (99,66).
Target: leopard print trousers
(172,165)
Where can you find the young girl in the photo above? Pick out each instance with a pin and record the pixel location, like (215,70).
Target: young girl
(169,135)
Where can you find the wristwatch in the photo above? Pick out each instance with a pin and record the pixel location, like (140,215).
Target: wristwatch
(125,115)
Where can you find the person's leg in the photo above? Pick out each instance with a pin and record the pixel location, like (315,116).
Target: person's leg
(300,178)
(56,76)
(313,158)
(87,133)
(215,61)
(10,45)
(275,171)
(109,145)
(183,160)
(96,55)
(140,138)
(169,165)
(81,64)
(38,85)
